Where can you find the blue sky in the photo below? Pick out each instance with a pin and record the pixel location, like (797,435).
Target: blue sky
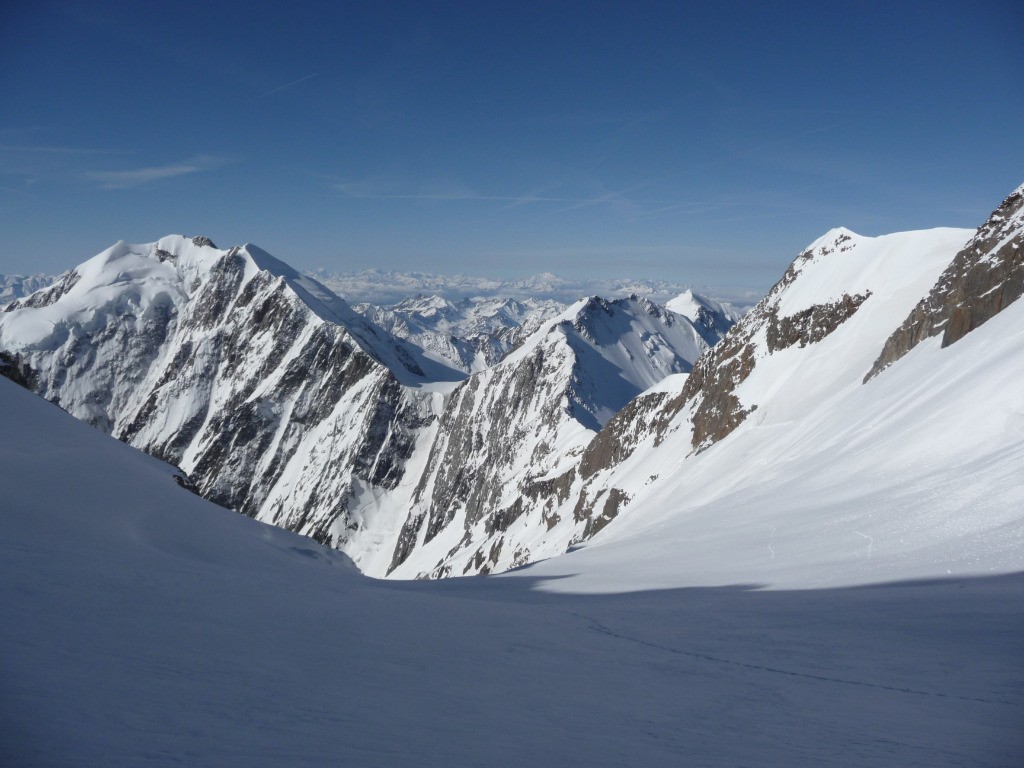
(695,142)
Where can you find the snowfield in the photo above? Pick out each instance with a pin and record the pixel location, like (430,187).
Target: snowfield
(145,626)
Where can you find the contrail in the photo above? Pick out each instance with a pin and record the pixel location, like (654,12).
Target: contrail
(289,85)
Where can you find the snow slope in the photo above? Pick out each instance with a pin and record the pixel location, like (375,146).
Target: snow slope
(142,625)
(820,479)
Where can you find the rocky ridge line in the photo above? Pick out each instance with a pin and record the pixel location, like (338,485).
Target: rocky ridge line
(984,278)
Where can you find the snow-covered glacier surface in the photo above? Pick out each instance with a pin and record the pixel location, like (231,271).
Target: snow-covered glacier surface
(142,625)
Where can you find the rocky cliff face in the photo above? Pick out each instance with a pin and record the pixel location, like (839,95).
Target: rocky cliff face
(12,367)
(503,465)
(267,390)
(984,278)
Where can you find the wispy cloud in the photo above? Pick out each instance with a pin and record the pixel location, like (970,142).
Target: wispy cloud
(382,189)
(549,202)
(289,85)
(138,176)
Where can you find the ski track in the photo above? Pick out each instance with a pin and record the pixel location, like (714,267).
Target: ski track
(603,629)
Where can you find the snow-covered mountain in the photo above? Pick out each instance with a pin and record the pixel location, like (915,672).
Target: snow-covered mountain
(475,333)
(712,318)
(510,433)
(812,448)
(15,286)
(275,397)
(283,403)
(471,333)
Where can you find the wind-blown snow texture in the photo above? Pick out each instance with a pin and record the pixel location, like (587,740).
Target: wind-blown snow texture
(144,626)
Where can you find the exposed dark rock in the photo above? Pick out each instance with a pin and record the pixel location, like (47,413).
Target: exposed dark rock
(17,370)
(200,240)
(501,520)
(557,488)
(407,540)
(47,296)
(717,411)
(620,435)
(614,500)
(217,293)
(185,482)
(812,324)
(982,280)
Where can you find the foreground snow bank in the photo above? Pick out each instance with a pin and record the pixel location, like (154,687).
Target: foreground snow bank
(142,625)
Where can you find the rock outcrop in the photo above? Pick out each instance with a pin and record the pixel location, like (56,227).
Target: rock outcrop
(502,467)
(984,278)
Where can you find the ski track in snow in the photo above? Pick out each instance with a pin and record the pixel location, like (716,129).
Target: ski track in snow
(603,629)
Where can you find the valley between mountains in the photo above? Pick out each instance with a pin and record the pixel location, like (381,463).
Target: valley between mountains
(789,537)
(436,439)
(280,401)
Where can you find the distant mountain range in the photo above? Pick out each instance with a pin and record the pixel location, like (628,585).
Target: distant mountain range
(15,286)
(384,288)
